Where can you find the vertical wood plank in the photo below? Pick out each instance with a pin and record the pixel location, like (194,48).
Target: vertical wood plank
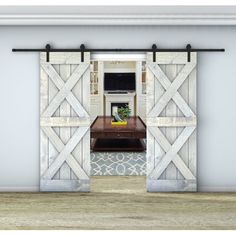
(52,91)
(77,91)
(44,162)
(184,92)
(192,162)
(179,129)
(159,90)
(149,104)
(65,112)
(171,111)
(86,105)
(150,155)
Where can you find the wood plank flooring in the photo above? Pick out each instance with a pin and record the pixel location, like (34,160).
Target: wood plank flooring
(118,203)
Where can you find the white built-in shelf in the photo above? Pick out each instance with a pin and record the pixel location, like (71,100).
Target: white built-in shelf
(94,78)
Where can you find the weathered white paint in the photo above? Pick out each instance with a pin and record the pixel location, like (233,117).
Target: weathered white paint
(171,185)
(171,121)
(63,169)
(64,121)
(168,110)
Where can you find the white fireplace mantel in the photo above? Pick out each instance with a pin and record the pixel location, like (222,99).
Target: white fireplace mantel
(119,98)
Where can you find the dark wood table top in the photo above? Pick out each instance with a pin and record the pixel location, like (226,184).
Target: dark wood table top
(103,124)
(108,137)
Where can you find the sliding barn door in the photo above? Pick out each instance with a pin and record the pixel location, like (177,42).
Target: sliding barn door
(65,122)
(171,122)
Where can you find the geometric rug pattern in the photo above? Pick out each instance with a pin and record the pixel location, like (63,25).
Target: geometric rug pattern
(118,163)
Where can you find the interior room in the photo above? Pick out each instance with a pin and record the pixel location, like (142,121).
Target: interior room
(118,83)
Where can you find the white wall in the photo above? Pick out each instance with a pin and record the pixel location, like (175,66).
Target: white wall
(19,94)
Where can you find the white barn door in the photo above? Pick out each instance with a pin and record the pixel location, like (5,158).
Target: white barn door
(64,122)
(171,122)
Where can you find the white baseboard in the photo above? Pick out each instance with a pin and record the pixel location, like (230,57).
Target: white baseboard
(20,189)
(217,189)
(200,189)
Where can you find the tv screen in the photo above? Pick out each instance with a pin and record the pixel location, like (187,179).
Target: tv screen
(119,81)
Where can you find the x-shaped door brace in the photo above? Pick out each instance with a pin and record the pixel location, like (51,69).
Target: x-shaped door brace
(65,153)
(65,89)
(171,152)
(171,90)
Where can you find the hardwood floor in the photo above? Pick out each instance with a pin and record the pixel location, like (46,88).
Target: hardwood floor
(118,203)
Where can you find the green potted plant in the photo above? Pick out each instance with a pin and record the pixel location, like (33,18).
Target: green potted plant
(121,116)
(124,112)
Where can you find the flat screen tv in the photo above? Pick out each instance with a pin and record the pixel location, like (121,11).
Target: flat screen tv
(119,81)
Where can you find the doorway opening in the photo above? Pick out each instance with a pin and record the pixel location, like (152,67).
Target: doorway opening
(118,80)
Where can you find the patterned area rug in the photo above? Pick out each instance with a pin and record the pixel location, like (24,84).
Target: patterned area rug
(118,163)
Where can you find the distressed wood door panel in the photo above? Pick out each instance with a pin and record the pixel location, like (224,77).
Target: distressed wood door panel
(64,122)
(171,122)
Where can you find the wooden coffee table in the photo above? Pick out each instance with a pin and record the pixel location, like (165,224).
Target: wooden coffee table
(108,137)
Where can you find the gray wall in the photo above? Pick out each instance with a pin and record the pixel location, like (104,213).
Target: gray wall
(19,95)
